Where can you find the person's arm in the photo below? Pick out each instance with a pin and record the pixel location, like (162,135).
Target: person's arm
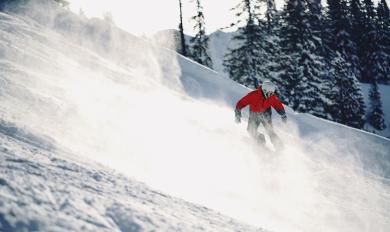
(241,104)
(278,106)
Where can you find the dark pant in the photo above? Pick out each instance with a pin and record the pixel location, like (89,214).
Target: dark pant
(257,118)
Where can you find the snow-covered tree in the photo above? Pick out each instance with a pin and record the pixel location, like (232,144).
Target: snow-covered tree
(270,14)
(375,113)
(301,68)
(346,97)
(380,58)
(356,18)
(339,38)
(243,63)
(369,10)
(270,40)
(200,41)
(375,45)
(383,15)
(376,60)
(315,15)
(369,34)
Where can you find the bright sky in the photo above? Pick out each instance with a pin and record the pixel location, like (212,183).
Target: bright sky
(145,17)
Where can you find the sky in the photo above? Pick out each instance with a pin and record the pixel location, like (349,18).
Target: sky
(146,17)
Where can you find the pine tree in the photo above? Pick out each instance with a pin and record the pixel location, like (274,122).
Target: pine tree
(270,40)
(346,97)
(184,48)
(356,18)
(375,116)
(270,14)
(200,41)
(319,29)
(382,55)
(347,100)
(369,10)
(383,15)
(369,35)
(377,66)
(375,57)
(315,17)
(339,37)
(301,78)
(375,61)
(244,62)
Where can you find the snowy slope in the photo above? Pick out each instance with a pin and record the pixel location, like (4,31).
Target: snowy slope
(40,191)
(82,92)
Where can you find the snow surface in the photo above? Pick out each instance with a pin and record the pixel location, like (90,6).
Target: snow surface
(80,98)
(40,191)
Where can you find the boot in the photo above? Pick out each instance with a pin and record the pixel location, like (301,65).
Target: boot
(260,139)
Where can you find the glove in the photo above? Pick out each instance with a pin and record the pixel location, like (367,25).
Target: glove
(284,118)
(238,115)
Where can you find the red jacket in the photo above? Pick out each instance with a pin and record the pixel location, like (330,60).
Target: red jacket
(258,103)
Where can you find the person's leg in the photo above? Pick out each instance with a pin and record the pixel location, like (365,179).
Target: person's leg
(253,124)
(266,120)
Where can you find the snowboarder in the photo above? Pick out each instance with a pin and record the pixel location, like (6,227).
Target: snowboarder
(260,102)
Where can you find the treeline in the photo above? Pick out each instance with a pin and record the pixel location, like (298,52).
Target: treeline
(318,55)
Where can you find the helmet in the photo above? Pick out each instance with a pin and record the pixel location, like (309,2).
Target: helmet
(268,88)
